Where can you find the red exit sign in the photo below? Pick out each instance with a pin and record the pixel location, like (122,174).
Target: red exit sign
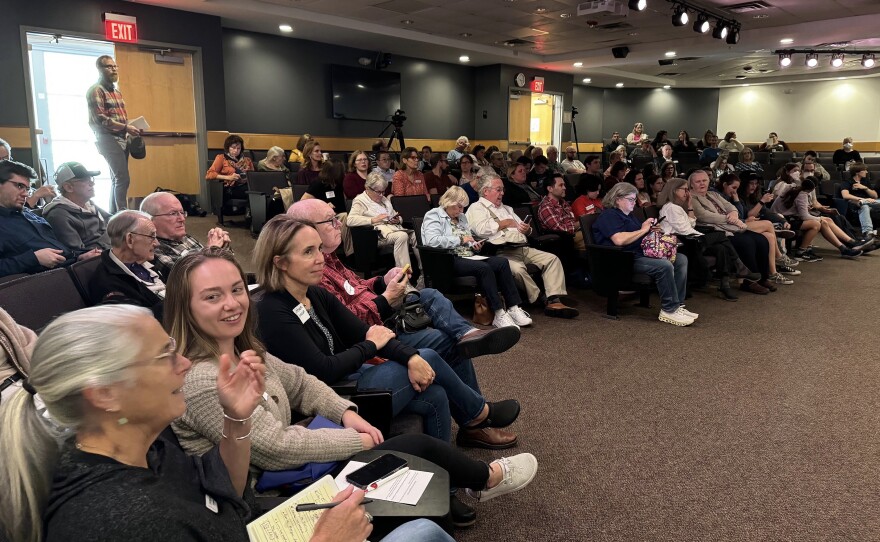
(537,84)
(120,28)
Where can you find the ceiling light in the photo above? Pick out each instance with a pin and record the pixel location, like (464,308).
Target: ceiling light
(785,59)
(786,41)
(721,30)
(701,25)
(407,21)
(761,16)
(540,10)
(578,64)
(587,80)
(812,60)
(565,15)
(670,54)
(836,60)
(464,58)
(465,34)
(285,28)
(680,16)
(667,87)
(746,85)
(619,85)
(733,36)
(868,61)
(638,5)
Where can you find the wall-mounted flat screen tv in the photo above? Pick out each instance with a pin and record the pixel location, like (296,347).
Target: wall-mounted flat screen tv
(363,94)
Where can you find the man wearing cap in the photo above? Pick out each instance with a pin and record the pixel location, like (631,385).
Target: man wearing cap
(453,156)
(77,222)
(174,243)
(109,121)
(28,244)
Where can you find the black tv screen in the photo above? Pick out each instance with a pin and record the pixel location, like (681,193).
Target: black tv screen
(364,94)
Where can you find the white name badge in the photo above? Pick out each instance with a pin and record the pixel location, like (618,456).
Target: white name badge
(348,288)
(301,313)
(211,504)
(330,194)
(590,207)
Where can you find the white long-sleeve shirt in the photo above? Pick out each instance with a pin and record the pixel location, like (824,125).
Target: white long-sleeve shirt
(676,220)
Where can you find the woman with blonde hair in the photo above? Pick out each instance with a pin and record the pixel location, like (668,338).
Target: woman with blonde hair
(296,155)
(637,134)
(313,159)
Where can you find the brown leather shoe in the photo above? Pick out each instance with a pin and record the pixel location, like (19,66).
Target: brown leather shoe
(481,342)
(559,310)
(753,287)
(488,437)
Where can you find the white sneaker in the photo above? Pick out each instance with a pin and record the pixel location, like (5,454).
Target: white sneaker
(689,314)
(779,278)
(675,318)
(503,319)
(518,472)
(519,316)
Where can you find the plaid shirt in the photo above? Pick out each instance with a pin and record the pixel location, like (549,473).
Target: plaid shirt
(556,215)
(355,293)
(168,252)
(106,109)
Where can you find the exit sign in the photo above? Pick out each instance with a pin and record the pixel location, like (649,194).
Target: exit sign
(537,84)
(120,28)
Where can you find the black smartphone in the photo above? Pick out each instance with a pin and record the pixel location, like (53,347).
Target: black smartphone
(659,220)
(375,470)
(527,219)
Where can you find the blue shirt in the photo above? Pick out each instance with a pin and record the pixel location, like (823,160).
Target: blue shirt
(23,234)
(612,221)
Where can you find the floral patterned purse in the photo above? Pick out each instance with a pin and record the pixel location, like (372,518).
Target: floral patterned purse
(660,245)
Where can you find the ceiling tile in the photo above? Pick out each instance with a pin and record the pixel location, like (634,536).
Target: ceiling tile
(403,6)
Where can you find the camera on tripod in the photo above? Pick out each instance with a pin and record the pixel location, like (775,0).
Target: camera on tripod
(398,118)
(574,111)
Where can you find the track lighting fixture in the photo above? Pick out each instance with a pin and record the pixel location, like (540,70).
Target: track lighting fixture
(785,59)
(638,5)
(836,60)
(701,25)
(721,30)
(868,61)
(812,60)
(733,36)
(680,16)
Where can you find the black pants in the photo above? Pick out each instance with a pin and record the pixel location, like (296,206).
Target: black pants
(717,244)
(463,471)
(754,251)
(490,274)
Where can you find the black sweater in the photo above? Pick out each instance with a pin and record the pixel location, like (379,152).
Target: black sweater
(304,344)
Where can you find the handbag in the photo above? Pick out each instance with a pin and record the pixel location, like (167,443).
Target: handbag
(660,245)
(410,317)
(482,314)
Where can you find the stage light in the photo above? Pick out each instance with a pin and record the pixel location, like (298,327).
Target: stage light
(836,60)
(868,61)
(733,37)
(785,59)
(701,25)
(812,60)
(638,5)
(721,30)
(680,16)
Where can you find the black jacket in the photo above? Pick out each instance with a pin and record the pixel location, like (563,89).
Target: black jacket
(110,285)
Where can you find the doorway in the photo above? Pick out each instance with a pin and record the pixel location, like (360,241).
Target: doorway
(534,118)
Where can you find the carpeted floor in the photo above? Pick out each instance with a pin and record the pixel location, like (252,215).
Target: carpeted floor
(757,423)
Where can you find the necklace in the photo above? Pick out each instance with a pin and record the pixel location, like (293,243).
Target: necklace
(80,446)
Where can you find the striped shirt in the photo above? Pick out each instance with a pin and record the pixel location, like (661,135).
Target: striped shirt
(106,109)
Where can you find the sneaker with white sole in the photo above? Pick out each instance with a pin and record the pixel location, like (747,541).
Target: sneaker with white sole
(787,270)
(503,319)
(675,318)
(519,316)
(517,471)
(786,260)
(689,314)
(779,278)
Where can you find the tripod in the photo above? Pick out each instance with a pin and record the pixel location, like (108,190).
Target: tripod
(574,129)
(396,133)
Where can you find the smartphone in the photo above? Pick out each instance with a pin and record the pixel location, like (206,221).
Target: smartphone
(403,272)
(527,219)
(659,220)
(375,470)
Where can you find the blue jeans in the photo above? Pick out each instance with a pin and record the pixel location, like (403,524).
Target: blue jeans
(420,530)
(447,393)
(443,314)
(671,278)
(865,216)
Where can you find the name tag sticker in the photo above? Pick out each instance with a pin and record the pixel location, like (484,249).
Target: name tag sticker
(330,194)
(301,313)
(349,289)
(590,207)
(211,504)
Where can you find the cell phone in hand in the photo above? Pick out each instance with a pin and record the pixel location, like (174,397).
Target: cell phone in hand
(659,220)
(527,219)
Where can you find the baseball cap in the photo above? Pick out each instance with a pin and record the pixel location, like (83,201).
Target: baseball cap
(73,170)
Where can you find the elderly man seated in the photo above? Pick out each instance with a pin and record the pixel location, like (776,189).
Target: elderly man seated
(461,145)
(28,243)
(571,164)
(125,275)
(174,243)
(77,222)
(553,159)
(502,228)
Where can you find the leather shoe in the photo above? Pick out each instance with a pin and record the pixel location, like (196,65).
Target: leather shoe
(785,234)
(559,310)
(753,287)
(490,438)
(481,342)
(766,284)
(461,514)
(501,414)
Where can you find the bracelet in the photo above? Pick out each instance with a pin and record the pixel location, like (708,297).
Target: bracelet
(243,420)
(224,435)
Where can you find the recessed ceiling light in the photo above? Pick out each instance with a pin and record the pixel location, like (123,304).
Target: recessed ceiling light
(868,61)
(786,41)
(540,10)
(633,33)
(407,21)
(670,53)
(837,60)
(285,28)
(464,58)
(587,80)
(667,87)
(841,78)
(578,64)
(761,16)
(619,85)
(565,15)
(812,60)
(465,34)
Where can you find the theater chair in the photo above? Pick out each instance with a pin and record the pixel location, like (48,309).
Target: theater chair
(260,192)
(35,300)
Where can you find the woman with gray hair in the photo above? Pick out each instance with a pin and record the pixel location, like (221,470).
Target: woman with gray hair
(617,227)
(125,274)
(446,226)
(274,161)
(371,208)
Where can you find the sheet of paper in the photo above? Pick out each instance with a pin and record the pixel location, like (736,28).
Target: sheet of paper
(475,257)
(285,524)
(405,489)
(140,123)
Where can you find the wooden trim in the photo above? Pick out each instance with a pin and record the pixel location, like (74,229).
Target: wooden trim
(19,137)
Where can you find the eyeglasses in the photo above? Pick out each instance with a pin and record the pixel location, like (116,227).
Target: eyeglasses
(332,220)
(152,236)
(22,187)
(175,214)
(631,200)
(361,160)
(170,354)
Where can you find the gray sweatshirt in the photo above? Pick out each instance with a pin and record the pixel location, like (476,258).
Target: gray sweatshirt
(78,228)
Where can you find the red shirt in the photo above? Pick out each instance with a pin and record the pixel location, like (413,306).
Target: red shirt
(352,185)
(556,215)
(586,206)
(402,186)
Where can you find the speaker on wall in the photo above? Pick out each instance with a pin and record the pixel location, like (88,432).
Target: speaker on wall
(620,52)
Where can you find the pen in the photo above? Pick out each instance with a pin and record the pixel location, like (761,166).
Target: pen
(379,483)
(310,506)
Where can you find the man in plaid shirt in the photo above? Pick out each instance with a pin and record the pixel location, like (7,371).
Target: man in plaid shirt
(109,121)
(555,215)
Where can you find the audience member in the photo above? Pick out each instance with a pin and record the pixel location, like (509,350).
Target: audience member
(425,160)
(615,174)
(536,152)
(384,166)
(45,192)
(810,157)
(517,190)
(514,155)
(616,156)
(469,171)
(313,161)
(711,152)
(842,157)
(588,202)
(859,194)
(379,145)
(438,179)
(5,150)
(730,143)
(472,188)
(555,214)
(501,227)
(572,165)
(684,143)
(704,143)
(789,174)
(746,162)
(668,171)
(637,179)
(231,167)
(720,166)
(409,181)
(617,227)
(169,218)
(496,163)
(461,145)
(274,161)
(773,143)
(645,152)
(296,154)
(661,138)
(76,221)
(358,168)
(635,137)
(615,142)
(328,186)
(664,155)
(479,156)
(553,159)
(540,172)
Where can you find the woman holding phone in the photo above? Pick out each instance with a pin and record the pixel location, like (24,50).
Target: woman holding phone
(446,226)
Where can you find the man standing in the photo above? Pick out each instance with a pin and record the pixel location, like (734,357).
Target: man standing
(169,218)
(571,164)
(76,221)
(109,121)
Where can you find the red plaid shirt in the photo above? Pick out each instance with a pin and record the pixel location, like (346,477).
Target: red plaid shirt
(359,296)
(556,215)
(106,109)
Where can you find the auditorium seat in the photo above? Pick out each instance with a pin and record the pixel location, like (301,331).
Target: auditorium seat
(35,300)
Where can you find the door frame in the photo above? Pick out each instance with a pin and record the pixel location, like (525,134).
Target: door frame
(198,90)
(558,95)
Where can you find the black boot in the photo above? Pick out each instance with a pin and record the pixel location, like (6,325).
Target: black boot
(461,514)
(724,288)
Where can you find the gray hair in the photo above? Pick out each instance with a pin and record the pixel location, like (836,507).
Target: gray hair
(273,152)
(553,148)
(619,190)
(376,182)
(81,349)
(3,143)
(485,181)
(123,223)
(454,195)
(150,204)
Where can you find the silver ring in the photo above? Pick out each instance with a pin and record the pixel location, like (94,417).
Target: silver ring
(369,517)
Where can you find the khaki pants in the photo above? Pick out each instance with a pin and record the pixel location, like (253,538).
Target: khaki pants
(401,240)
(579,243)
(550,266)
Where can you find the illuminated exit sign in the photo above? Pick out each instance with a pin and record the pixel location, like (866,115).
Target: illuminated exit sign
(120,28)
(537,84)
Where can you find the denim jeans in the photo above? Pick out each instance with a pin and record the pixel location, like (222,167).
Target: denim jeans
(671,278)
(865,216)
(447,396)
(419,530)
(443,314)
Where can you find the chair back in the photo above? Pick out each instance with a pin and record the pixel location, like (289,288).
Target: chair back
(417,228)
(265,181)
(298,191)
(82,273)
(587,222)
(35,300)
(410,207)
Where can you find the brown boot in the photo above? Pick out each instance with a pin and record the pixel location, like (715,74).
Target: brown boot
(487,437)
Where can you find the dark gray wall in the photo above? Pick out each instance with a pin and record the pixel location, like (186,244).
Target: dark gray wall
(84,16)
(691,109)
(282,85)
(589,101)
(490,97)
